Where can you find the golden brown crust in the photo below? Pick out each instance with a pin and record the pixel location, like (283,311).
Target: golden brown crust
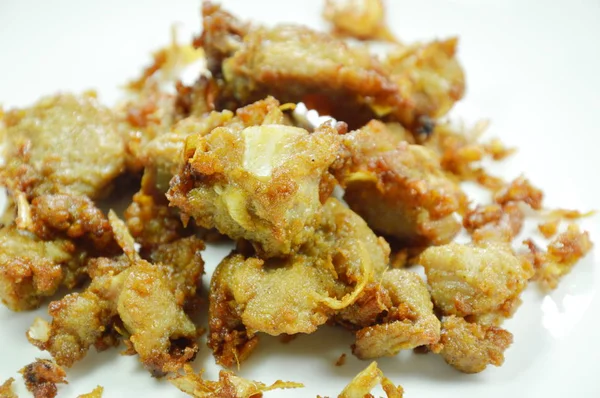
(96,393)
(41,378)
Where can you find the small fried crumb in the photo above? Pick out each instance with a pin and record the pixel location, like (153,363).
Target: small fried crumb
(341,361)
(549,228)
(366,380)
(562,254)
(6,390)
(361,19)
(520,190)
(97,393)
(228,386)
(42,376)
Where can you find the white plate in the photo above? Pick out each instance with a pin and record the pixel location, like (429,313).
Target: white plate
(532,67)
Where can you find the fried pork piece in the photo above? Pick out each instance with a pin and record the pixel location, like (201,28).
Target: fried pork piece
(41,378)
(6,390)
(479,281)
(296,64)
(96,393)
(293,294)
(147,299)
(257,178)
(407,323)
(563,253)
(82,320)
(362,19)
(470,347)
(63,144)
(32,269)
(366,380)
(228,386)
(398,188)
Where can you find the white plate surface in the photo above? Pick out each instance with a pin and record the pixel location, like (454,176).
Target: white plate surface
(532,67)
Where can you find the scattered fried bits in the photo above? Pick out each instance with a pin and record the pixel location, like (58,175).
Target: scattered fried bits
(366,380)
(96,393)
(228,386)
(562,254)
(41,378)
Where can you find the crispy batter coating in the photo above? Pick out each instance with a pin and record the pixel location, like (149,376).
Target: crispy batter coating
(228,386)
(562,254)
(296,64)
(399,188)
(362,384)
(41,378)
(475,280)
(96,393)
(470,347)
(407,323)
(6,390)
(361,19)
(257,178)
(32,269)
(294,294)
(63,144)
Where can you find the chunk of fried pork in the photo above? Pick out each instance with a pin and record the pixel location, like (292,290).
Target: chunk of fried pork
(405,321)
(228,386)
(563,252)
(62,144)
(361,19)
(470,347)
(41,378)
(481,281)
(399,188)
(362,384)
(293,294)
(296,64)
(258,178)
(146,299)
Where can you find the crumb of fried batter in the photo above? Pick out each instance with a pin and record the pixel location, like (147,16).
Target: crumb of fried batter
(228,386)
(6,390)
(520,190)
(96,393)
(562,253)
(362,384)
(341,360)
(549,228)
(41,378)
(361,19)
(494,222)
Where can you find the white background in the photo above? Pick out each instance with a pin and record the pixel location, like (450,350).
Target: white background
(533,68)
